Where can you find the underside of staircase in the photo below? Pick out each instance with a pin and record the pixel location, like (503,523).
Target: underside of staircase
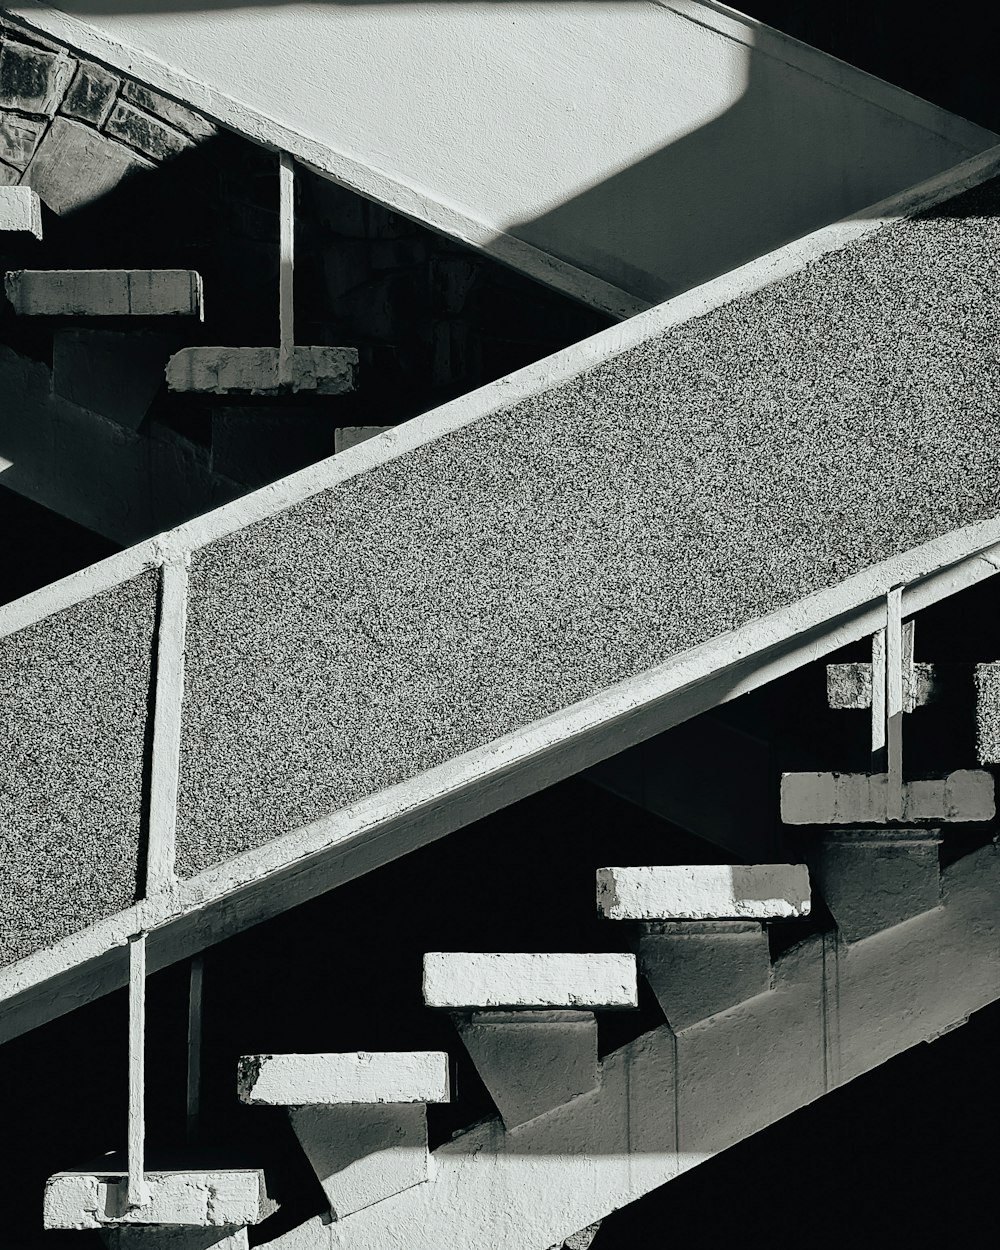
(583,572)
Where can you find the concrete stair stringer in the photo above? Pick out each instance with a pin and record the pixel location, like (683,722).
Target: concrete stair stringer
(667,1103)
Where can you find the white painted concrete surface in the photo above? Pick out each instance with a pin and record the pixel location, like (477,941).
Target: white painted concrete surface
(860,798)
(419,1076)
(624,150)
(197,1199)
(104,292)
(704,892)
(20,211)
(262,371)
(453,979)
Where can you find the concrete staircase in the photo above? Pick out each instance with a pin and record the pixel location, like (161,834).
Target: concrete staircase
(523,667)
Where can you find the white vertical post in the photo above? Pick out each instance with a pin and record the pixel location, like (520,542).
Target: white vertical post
(894,701)
(878,701)
(160,849)
(136,1194)
(194,1048)
(286,233)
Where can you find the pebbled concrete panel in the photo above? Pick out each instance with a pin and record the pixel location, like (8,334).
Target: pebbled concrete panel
(717,472)
(74,692)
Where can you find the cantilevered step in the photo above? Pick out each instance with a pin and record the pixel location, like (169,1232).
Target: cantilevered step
(865,798)
(105,292)
(528,1021)
(229,1199)
(704,947)
(704,892)
(20,211)
(261,370)
(360,1117)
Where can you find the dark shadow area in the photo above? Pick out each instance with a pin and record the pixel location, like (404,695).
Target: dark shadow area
(41,546)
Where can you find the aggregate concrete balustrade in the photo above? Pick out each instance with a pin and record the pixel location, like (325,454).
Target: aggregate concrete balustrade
(75,694)
(359,1117)
(104,292)
(356,1077)
(493,596)
(212,1199)
(20,211)
(258,370)
(464,980)
(704,892)
(861,798)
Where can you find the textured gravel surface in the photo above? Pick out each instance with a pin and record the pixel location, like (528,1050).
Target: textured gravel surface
(731,466)
(71,751)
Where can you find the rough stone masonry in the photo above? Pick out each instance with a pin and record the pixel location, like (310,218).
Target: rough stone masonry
(72,129)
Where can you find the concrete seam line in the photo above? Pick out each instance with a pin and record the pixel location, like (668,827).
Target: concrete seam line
(167,717)
(497,396)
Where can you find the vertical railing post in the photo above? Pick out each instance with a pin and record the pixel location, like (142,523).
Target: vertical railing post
(286,295)
(894,702)
(168,700)
(136,1192)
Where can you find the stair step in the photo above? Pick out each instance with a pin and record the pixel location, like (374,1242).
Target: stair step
(105,292)
(570,981)
(203,1199)
(863,798)
(356,1077)
(257,370)
(704,892)
(351,435)
(20,211)
(162,1237)
(849,686)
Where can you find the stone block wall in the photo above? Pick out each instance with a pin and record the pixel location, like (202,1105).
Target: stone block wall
(73,130)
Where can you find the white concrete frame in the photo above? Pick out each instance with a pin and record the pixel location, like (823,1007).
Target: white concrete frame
(183,917)
(397,193)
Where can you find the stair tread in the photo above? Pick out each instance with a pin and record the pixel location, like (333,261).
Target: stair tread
(326,1079)
(704,892)
(567,980)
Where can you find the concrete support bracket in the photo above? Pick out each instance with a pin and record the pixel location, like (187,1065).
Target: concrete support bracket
(151,1237)
(697,969)
(873,879)
(532,1061)
(362,1153)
